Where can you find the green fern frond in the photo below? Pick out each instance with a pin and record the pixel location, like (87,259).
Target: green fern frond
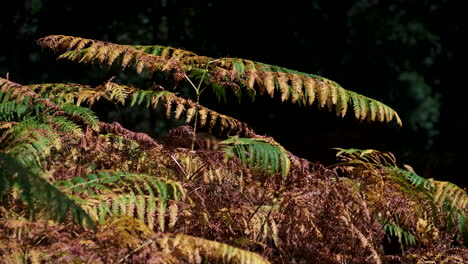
(413,178)
(65,125)
(258,152)
(191,249)
(11,110)
(43,198)
(136,195)
(30,141)
(85,113)
(20,93)
(405,238)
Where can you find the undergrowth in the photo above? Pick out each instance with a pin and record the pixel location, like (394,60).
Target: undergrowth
(75,189)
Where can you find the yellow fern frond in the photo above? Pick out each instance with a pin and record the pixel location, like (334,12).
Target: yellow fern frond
(451,193)
(89,51)
(191,249)
(299,87)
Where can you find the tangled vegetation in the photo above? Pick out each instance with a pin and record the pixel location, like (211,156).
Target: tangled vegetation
(75,189)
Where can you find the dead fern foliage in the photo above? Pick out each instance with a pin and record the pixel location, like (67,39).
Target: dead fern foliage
(423,209)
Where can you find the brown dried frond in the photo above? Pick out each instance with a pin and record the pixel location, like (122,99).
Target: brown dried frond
(142,138)
(89,51)
(19,92)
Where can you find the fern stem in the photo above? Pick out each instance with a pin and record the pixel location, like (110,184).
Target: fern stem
(91,181)
(197,106)
(136,249)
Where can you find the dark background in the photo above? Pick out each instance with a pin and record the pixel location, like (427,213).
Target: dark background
(411,55)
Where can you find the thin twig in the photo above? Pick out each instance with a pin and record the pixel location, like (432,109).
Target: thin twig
(136,249)
(178,164)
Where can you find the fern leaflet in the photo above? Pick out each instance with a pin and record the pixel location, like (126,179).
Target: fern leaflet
(258,152)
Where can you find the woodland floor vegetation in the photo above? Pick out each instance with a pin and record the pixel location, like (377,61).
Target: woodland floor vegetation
(75,189)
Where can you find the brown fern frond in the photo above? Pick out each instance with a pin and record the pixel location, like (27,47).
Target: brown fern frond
(88,51)
(19,92)
(117,129)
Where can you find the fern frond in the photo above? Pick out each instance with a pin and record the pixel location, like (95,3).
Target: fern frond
(88,51)
(30,141)
(295,86)
(11,110)
(85,113)
(23,94)
(130,95)
(258,152)
(405,238)
(136,195)
(447,192)
(367,156)
(298,87)
(191,248)
(65,125)
(43,198)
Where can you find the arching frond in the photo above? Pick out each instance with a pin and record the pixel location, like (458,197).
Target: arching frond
(19,93)
(297,87)
(258,152)
(127,95)
(85,113)
(43,198)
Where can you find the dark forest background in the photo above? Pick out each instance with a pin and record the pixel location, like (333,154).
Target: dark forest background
(411,55)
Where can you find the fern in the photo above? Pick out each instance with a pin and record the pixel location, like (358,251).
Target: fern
(193,249)
(12,110)
(259,153)
(295,86)
(405,238)
(30,141)
(126,95)
(137,195)
(445,196)
(86,114)
(450,194)
(42,198)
